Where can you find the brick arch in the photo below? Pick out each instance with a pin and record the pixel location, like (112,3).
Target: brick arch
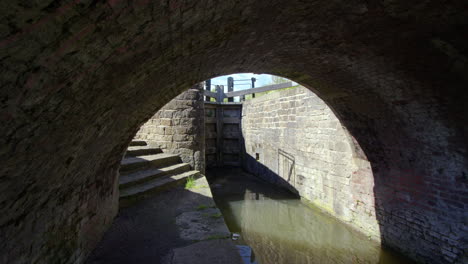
(79,78)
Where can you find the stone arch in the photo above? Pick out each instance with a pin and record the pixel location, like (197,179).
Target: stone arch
(79,78)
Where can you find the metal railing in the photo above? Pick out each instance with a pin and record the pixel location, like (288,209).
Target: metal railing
(219,95)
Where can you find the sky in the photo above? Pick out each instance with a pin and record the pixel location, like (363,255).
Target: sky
(262,80)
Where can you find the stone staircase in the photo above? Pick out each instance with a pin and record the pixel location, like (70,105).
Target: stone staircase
(146,170)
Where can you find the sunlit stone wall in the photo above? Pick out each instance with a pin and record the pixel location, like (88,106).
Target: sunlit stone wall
(178,128)
(300,144)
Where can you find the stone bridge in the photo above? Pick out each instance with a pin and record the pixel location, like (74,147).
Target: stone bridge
(80,77)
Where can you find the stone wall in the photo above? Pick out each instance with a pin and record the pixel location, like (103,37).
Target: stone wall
(292,138)
(179,128)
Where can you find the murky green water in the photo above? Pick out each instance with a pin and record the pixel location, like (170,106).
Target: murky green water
(282,229)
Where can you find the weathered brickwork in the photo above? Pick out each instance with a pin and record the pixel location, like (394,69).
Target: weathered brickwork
(78,79)
(179,128)
(301,144)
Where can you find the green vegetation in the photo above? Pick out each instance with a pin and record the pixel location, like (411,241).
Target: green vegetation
(202,207)
(199,186)
(217,237)
(218,215)
(190,184)
(215,216)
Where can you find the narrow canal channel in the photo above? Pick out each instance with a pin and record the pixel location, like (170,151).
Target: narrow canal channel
(280,228)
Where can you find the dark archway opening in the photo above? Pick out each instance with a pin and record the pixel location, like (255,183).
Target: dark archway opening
(78,79)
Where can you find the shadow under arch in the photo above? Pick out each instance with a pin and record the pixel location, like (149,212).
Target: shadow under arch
(69,113)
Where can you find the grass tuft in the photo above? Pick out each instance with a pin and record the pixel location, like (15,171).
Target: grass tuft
(202,207)
(218,215)
(217,237)
(190,183)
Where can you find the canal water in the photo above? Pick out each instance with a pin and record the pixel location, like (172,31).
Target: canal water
(280,228)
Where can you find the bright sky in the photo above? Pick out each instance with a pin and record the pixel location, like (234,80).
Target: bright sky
(262,80)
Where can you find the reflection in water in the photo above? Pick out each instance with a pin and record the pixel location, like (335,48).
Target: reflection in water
(282,229)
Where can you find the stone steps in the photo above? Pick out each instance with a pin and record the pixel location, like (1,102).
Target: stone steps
(141,150)
(140,176)
(138,143)
(145,171)
(157,184)
(130,164)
